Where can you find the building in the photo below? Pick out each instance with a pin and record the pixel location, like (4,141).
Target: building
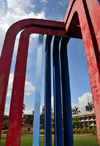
(30,118)
(86,119)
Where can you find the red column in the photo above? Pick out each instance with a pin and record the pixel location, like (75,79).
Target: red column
(15,116)
(92,47)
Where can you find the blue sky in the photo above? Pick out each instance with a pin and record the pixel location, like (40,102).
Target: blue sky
(14,10)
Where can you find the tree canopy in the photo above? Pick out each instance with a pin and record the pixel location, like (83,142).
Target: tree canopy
(24,106)
(89,106)
(75,110)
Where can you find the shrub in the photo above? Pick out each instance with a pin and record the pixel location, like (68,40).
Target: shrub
(85,130)
(94,131)
(5,132)
(77,131)
(5,124)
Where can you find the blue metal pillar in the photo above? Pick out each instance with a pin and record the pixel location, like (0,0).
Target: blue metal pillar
(55,115)
(36,121)
(57,94)
(48,138)
(67,113)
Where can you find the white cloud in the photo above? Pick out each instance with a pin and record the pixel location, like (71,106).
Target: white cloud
(60,3)
(11,17)
(8,93)
(43,1)
(34,36)
(7,105)
(30,111)
(29,86)
(6,113)
(28,93)
(16,11)
(11,77)
(21,4)
(52,102)
(83,100)
(32,6)
(41,108)
(7,109)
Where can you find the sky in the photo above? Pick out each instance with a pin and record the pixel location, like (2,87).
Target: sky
(14,10)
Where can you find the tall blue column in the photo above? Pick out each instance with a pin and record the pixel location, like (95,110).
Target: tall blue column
(48,91)
(36,121)
(67,113)
(57,94)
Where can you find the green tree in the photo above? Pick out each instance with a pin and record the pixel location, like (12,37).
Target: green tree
(42,116)
(52,112)
(89,106)
(25,120)
(5,124)
(75,110)
(75,122)
(24,106)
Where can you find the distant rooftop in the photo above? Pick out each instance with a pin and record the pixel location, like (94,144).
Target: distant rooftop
(83,114)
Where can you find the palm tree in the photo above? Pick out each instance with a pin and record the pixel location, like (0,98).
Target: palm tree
(75,110)
(24,106)
(89,106)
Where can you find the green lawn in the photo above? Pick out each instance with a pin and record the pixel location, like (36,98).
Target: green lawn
(80,140)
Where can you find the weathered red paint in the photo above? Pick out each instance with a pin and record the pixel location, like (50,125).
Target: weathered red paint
(94,12)
(15,116)
(88,18)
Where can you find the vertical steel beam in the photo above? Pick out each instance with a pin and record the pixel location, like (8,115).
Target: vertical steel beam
(55,115)
(36,121)
(57,94)
(67,113)
(48,91)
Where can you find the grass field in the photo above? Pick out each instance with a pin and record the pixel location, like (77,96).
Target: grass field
(79,140)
